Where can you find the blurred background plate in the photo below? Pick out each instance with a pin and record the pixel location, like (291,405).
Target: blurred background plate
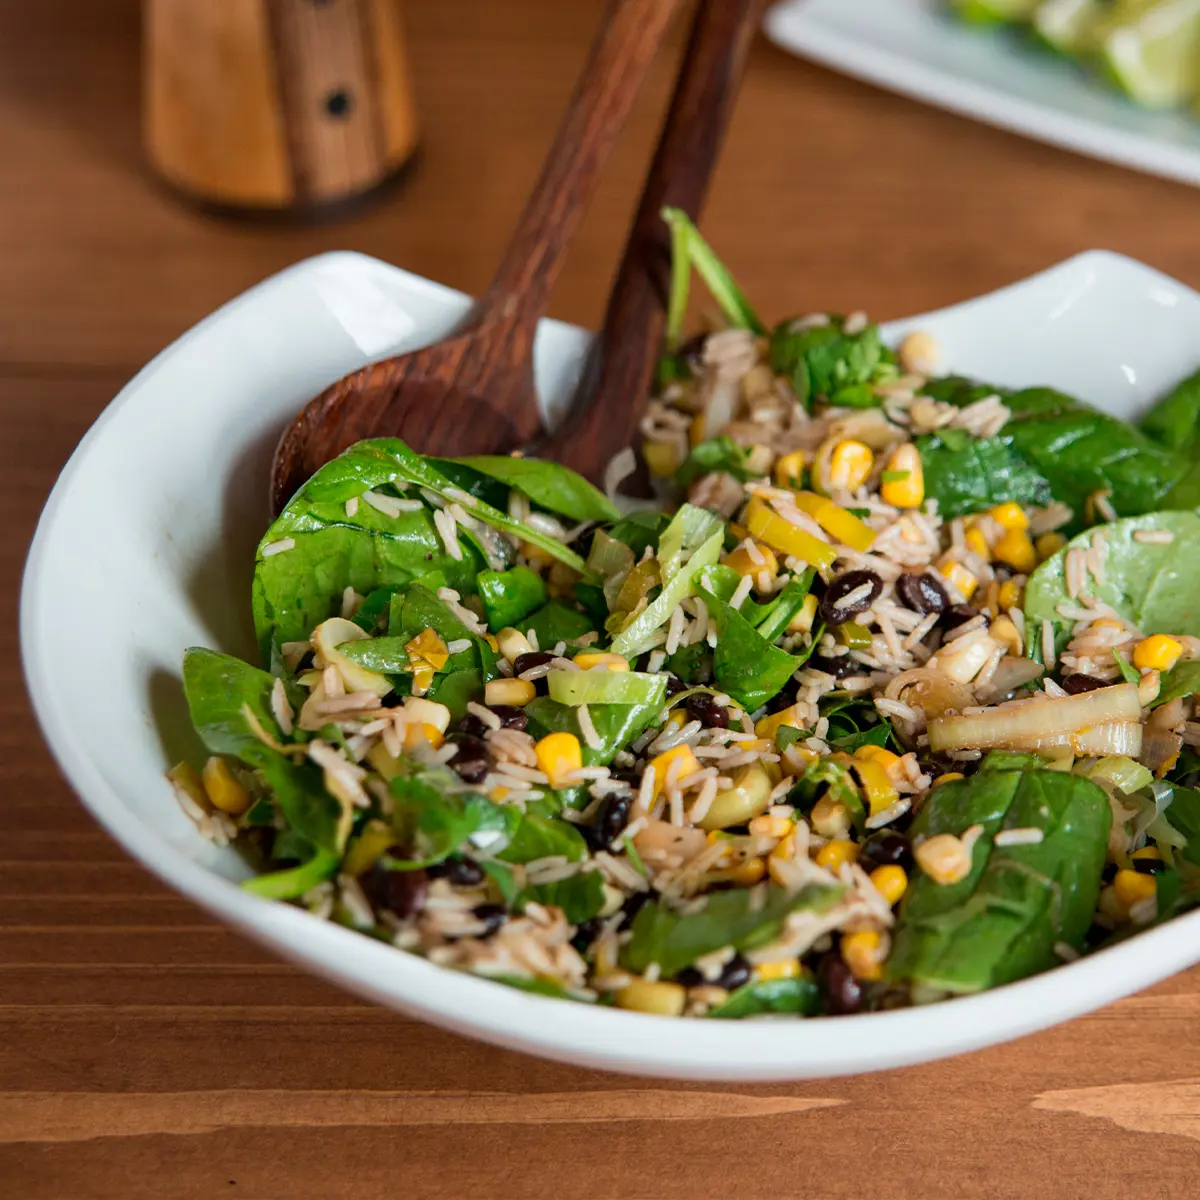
(915,47)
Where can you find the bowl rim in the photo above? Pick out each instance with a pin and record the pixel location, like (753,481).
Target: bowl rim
(585,1035)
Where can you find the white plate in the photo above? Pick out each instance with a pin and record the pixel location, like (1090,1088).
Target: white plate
(146,545)
(915,47)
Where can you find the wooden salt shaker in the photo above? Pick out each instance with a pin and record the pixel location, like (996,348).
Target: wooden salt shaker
(277,104)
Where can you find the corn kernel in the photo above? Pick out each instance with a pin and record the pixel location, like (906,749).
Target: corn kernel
(909,491)
(365,850)
(1049,544)
(224,789)
(513,643)
(770,827)
(661,998)
(786,850)
(744,562)
(977,542)
(830,818)
(768,727)
(784,968)
(920,354)
(890,882)
(662,458)
(949,777)
(590,659)
(421,733)
(1151,852)
(802,622)
(876,786)
(959,577)
(1132,887)
(559,755)
(1010,516)
(1011,595)
(696,431)
(661,764)
(880,754)
(1158,652)
(1015,548)
(863,952)
(513,692)
(789,469)
(835,854)
(429,711)
(944,858)
(187,779)
(1005,632)
(749,873)
(427,649)
(849,465)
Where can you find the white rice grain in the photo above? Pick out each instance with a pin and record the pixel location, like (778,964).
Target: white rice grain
(279,547)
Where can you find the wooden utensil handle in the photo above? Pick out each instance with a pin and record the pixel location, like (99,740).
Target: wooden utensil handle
(631,33)
(607,412)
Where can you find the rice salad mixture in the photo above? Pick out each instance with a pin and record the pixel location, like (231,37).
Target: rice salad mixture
(888,696)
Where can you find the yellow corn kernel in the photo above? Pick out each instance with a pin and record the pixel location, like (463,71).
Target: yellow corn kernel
(744,562)
(789,469)
(513,643)
(224,789)
(661,998)
(660,764)
(422,679)
(662,458)
(786,849)
(428,649)
(877,787)
(977,542)
(513,692)
(1015,548)
(1157,652)
(1005,632)
(880,754)
(944,858)
(840,523)
(802,622)
(770,827)
(696,431)
(1132,887)
(768,727)
(784,968)
(363,853)
(909,491)
(590,659)
(780,534)
(422,733)
(1049,544)
(830,818)
(559,755)
(863,953)
(833,855)
(1151,852)
(1011,595)
(949,777)
(429,711)
(187,779)
(796,759)
(890,882)
(849,465)
(748,873)
(958,575)
(1010,516)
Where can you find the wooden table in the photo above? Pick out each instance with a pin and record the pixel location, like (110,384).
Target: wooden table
(145,1051)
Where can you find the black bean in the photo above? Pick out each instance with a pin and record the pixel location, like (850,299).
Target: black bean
(839,665)
(463,872)
(1109,873)
(689,977)
(510,716)
(886,848)
(1077,682)
(403,892)
(1149,866)
(526,662)
(473,760)
(612,818)
(734,974)
(393,700)
(833,608)
(472,726)
(492,916)
(675,685)
(956,615)
(700,707)
(586,933)
(841,994)
(921,592)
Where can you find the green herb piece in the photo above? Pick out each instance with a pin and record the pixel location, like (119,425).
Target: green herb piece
(826,361)
(441,822)
(548,484)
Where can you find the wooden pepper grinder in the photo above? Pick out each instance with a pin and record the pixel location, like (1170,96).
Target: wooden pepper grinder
(277,104)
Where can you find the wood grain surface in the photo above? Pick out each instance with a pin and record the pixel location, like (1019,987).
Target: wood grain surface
(145,1051)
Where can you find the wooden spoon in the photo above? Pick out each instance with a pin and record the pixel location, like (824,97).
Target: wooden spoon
(612,394)
(473,391)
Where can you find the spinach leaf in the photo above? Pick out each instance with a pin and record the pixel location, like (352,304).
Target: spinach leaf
(510,596)
(1155,586)
(456,689)
(1129,673)
(550,484)
(372,612)
(674,941)
(440,822)
(1003,920)
(541,837)
(969,475)
(557,622)
(387,655)
(581,896)
(854,722)
(639,530)
(1011,760)
(1183,815)
(826,361)
(798,995)
(617,725)
(1174,421)
(715,454)
(294,881)
(537,987)
(1179,682)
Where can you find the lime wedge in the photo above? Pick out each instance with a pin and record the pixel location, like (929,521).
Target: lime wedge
(993,12)
(1151,50)
(1069,26)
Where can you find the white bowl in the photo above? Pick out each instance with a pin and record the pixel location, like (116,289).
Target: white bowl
(146,546)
